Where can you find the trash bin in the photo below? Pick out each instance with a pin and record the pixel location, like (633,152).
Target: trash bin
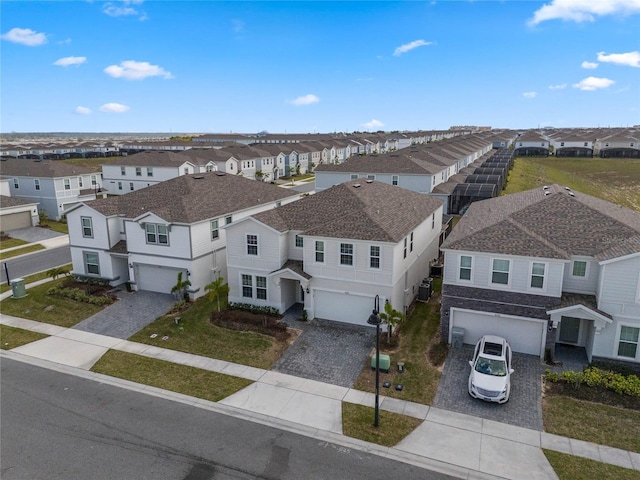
(18,288)
(457,337)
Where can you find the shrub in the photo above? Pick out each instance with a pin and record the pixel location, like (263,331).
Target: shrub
(265,310)
(597,378)
(79,295)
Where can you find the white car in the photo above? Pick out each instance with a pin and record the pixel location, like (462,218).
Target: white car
(490,377)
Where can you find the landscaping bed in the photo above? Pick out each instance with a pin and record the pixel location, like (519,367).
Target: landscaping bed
(241,320)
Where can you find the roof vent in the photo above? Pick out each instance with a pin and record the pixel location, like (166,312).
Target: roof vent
(567,189)
(547,193)
(356,185)
(220,174)
(546,187)
(198,177)
(571,194)
(369,181)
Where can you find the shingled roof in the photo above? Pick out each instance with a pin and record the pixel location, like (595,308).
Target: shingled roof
(25,167)
(193,198)
(358,210)
(559,224)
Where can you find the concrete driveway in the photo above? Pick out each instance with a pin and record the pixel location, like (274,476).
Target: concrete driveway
(524,408)
(34,234)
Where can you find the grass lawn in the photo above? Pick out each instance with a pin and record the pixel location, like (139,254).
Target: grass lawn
(184,379)
(21,251)
(420,378)
(37,305)
(592,422)
(614,180)
(32,278)
(568,467)
(197,335)
(357,422)
(60,227)
(11,337)
(11,242)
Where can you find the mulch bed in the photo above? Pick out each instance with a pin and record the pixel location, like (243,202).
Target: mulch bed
(244,321)
(90,288)
(591,394)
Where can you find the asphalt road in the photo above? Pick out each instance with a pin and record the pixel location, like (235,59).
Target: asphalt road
(35,262)
(57,426)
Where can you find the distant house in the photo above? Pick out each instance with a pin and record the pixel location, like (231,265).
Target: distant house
(531,143)
(150,235)
(17,213)
(335,251)
(544,267)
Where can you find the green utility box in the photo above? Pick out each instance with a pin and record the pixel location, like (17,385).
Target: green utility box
(19,290)
(385,363)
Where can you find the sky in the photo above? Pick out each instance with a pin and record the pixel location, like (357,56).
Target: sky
(306,67)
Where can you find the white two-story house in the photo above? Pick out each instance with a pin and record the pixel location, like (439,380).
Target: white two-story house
(148,236)
(335,251)
(545,267)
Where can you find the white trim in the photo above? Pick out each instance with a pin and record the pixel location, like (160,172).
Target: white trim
(491,272)
(586,268)
(544,277)
(617,342)
(463,280)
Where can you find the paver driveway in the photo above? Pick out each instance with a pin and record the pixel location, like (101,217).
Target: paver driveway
(524,408)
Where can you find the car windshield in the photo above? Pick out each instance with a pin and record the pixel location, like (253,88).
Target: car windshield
(490,366)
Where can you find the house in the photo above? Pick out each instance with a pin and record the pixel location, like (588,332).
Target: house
(52,184)
(335,251)
(17,213)
(531,143)
(150,235)
(544,267)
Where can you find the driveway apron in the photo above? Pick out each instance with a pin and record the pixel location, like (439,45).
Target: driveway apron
(130,314)
(524,408)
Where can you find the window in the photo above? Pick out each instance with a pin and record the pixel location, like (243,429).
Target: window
(465,267)
(131,186)
(37,183)
(500,271)
(433,221)
(80,184)
(561,144)
(209,168)
(16,184)
(94,180)
(138,171)
(119,185)
(404,254)
(299,241)
(91,263)
(261,288)
(371,177)
(228,220)
(247,286)
(579,268)
(628,345)
(537,275)
(87,227)
(123,170)
(411,243)
(319,251)
(346,254)
(394,180)
(215,233)
(157,234)
(149,172)
(67,184)
(374,257)
(252,244)
(354,176)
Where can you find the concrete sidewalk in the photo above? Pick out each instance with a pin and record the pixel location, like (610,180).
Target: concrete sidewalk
(459,445)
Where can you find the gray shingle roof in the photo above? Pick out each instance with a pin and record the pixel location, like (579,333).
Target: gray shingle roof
(6,201)
(25,167)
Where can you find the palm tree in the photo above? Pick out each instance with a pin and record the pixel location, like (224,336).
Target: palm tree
(56,272)
(179,289)
(217,289)
(392,318)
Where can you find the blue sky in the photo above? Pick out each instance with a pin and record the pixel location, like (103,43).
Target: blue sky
(205,66)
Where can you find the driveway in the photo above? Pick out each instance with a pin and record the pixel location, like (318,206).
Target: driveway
(326,351)
(34,234)
(524,408)
(130,314)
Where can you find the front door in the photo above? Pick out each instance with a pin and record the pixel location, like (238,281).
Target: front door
(569,330)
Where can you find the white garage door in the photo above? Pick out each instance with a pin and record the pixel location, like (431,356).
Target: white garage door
(13,221)
(157,279)
(341,307)
(524,335)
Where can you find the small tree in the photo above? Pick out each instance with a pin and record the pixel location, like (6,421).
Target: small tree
(180,288)
(392,318)
(259,174)
(217,289)
(56,272)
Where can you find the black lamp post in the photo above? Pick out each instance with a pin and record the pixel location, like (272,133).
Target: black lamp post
(374,319)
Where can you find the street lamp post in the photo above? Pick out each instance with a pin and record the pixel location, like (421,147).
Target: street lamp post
(374,319)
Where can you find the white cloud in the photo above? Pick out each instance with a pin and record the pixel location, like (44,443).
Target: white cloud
(126,8)
(66,61)
(530,94)
(305,100)
(132,70)
(83,110)
(631,59)
(114,108)
(593,83)
(373,124)
(25,36)
(589,65)
(410,46)
(583,10)
(558,87)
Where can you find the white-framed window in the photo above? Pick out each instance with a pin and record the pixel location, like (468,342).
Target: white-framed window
(579,268)
(374,256)
(94,180)
(67,183)
(209,168)
(537,275)
(319,251)
(149,172)
(119,185)
(371,177)
(261,288)
(131,186)
(16,184)
(91,263)
(228,220)
(123,171)
(36,182)
(138,171)
(299,241)
(465,267)
(80,184)
(247,286)
(87,227)
(252,244)
(404,250)
(411,243)
(628,342)
(433,221)
(500,271)
(215,231)
(394,180)
(346,254)
(354,176)
(157,234)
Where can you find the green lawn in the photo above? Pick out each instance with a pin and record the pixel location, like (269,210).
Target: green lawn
(358,420)
(11,337)
(184,379)
(11,242)
(60,227)
(569,467)
(31,278)
(21,251)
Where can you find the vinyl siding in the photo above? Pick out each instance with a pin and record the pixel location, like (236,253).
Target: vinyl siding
(619,287)
(100,239)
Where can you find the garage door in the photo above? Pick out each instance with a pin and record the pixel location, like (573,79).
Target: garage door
(157,279)
(524,335)
(13,221)
(341,307)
